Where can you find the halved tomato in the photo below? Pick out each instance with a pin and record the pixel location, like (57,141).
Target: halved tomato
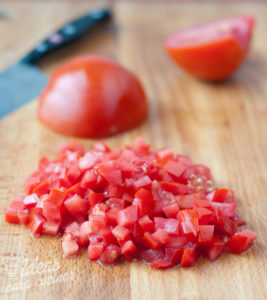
(92,96)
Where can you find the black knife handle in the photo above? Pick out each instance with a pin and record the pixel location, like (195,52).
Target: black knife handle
(67,34)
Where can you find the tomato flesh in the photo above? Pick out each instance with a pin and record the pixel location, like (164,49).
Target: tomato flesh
(130,203)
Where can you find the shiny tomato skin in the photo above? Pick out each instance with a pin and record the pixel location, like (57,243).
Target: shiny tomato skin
(91,97)
(211,51)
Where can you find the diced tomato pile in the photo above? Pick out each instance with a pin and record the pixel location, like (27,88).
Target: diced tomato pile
(131,203)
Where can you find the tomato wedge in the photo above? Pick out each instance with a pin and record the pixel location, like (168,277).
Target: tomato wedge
(212,51)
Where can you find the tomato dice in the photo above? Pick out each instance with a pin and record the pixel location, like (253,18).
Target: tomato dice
(121,233)
(150,241)
(174,255)
(36,223)
(151,255)
(215,249)
(129,250)
(95,250)
(205,233)
(146,224)
(69,248)
(211,51)
(162,236)
(128,216)
(76,205)
(161,264)
(188,258)
(144,200)
(50,227)
(131,203)
(110,255)
(169,225)
(13,211)
(241,241)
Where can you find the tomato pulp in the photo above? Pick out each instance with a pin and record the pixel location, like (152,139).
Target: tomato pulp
(211,51)
(92,96)
(131,203)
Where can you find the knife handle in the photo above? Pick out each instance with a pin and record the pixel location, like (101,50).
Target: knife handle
(67,34)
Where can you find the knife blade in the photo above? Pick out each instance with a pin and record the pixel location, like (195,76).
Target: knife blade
(23,81)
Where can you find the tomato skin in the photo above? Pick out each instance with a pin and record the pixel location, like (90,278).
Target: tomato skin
(212,58)
(241,241)
(92,96)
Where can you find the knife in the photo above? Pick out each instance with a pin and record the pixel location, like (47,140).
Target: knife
(24,81)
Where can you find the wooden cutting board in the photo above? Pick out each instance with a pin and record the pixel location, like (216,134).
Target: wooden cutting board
(221,125)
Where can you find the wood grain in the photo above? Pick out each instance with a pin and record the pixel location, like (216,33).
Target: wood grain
(221,125)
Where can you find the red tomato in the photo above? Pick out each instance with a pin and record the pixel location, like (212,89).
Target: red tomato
(92,96)
(211,51)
